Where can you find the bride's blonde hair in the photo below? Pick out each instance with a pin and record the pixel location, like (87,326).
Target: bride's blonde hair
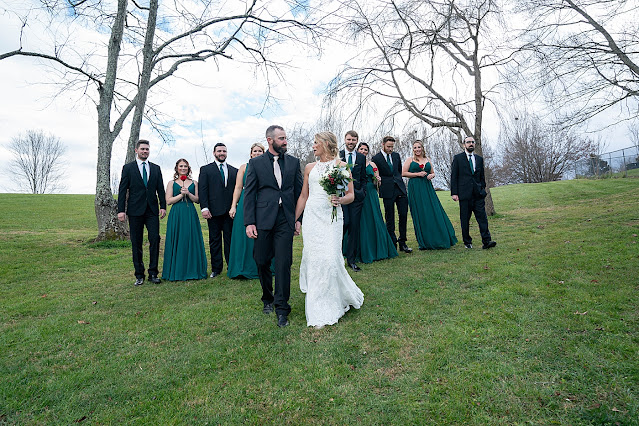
(329,140)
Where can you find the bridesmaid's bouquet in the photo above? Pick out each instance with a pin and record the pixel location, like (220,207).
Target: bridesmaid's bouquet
(335,182)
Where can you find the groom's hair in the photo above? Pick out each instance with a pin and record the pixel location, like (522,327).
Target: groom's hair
(271,129)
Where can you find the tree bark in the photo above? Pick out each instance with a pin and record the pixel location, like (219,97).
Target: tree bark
(106,208)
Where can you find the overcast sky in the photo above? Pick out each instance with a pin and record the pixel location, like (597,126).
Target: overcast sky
(211,102)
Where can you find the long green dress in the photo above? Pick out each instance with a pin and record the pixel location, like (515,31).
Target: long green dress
(374,241)
(184,255)
(433,229)
(241,262)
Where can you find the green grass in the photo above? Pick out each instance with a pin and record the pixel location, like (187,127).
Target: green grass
(543,329)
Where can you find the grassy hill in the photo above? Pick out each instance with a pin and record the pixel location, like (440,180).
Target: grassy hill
(543,329)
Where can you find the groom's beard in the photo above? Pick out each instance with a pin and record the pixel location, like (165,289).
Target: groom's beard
(280,149)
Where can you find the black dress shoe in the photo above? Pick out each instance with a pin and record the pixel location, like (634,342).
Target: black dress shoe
(214,274)
(268,308)
(489,244)
(282,320)
(139,281)
(405,248)
(354,267)
(468,246)
(154,279)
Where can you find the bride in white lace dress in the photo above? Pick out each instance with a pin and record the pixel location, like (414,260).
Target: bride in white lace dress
(330,291)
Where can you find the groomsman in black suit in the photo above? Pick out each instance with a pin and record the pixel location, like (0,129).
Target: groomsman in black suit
(273,185)
(353,211)
(468,186)
(393,191)
(217,182)
(143,182)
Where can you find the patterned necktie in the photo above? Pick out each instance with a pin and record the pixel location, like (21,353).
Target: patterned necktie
(222,173)
(350,159)
(470,161)
(144,175)
(277,171)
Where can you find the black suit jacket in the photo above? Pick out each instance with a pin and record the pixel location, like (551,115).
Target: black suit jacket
(359,174)
(140,196)
(391,178)
(464,184)
(213,194)
(262,194)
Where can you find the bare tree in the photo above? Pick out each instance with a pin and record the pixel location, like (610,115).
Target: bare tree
(300,141)
(428,59)
(38,161)
(583,56)
(537,152)
(147,44)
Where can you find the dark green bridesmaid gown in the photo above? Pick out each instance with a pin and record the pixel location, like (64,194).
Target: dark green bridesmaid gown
(433,229)
(374,241)
(184,255)
(241,262)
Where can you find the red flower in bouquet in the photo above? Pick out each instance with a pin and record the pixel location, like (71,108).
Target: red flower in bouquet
(335,182)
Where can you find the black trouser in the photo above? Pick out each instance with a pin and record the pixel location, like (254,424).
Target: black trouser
(468,207)
(136,225)
(276,242)
(352,216)
(220,227)
(389,214)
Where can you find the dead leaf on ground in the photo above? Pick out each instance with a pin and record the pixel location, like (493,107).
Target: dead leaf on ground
(83,322)
(581,313)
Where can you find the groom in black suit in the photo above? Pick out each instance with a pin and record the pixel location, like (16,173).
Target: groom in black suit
(217,182)
(393,191)
(143,181)
(468,186)
(353,211)
(273,185)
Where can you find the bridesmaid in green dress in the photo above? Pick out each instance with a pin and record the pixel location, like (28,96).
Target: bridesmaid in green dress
(433,229)
(374,241)
(241,262)
(184,256)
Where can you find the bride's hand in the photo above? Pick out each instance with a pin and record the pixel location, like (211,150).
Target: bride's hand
(335,200)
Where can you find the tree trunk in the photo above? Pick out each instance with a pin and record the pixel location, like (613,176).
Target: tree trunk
(106,208)
(143,80)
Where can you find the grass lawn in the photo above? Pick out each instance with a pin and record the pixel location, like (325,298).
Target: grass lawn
(543,329)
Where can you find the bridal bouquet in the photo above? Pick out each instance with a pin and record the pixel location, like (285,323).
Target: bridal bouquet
(335,182)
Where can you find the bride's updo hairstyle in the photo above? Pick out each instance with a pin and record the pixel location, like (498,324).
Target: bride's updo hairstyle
(329,140)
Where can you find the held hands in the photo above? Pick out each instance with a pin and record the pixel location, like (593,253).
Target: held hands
(184,191)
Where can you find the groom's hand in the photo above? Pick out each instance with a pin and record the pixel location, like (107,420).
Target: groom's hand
(121,217)
(298,227)
(251,231)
